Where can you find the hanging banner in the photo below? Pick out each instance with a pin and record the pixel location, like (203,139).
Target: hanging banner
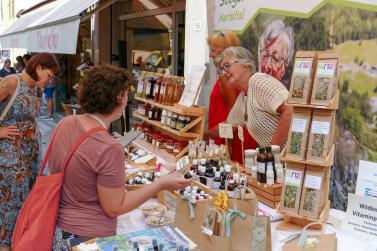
(236,15)
(60,38)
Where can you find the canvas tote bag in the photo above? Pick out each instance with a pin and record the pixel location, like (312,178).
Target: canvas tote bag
(36,222)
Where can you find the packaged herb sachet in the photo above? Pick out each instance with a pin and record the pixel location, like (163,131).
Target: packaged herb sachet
(326,78)
(298,134)
(312,198)
(302,78)
(291,192)
(321,132)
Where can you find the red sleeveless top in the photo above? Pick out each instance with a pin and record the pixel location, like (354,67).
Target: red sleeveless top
(218,113)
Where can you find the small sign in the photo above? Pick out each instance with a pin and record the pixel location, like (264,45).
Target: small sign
(192,85)
(361,217)
(366,184)
(240,133)
(197,25)
(226,131)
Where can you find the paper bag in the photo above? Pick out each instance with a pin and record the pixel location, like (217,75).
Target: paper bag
(191,227)
(248,231)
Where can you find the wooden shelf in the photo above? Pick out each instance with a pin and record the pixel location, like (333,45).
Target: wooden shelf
(168,129)
(298,220)
(160,153)
(176,108)
(334,104)
(329,159)
(267,194)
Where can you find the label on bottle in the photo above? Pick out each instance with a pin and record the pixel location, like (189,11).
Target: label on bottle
(230,194)
(299,125)
(261,167)
(162,90)
(140,87)
(216,185)
(148,89)
(313,182)
(293,177)
(320,127)
(155,92)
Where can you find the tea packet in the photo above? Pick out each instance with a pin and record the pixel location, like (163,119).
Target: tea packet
(302,78)
(321,132)
(312,198)
(326,78)
(298,134)
(291,191)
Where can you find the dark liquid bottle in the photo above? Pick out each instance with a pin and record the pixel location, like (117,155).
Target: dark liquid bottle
(262,165)
(201,174)
(271,159)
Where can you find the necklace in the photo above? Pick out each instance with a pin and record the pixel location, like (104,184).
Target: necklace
(245,113)
(100,121)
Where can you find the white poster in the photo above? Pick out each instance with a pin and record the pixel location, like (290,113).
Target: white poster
(367,179)
(192,85)
(361,217)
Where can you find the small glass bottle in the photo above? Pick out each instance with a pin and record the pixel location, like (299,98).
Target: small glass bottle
(180,123)
(157,89)
(147,108)
(140,85)
(168,118)
(231,187)
(151,113)
(173,122)
(217,182)
(164,116)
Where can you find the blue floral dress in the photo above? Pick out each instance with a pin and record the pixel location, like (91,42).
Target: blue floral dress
(19,159)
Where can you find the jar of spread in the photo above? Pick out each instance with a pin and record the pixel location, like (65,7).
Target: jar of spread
(170,145)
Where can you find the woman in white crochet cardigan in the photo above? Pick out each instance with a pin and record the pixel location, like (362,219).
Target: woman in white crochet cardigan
(261,104)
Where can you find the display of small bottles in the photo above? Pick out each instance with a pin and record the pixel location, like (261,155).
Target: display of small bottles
(143,178)
(162,89)
(194,193)
(269,168)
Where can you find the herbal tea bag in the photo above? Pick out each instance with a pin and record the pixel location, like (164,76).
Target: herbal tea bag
(298,134)
(320,135)
(326,78)
(312,192)
(302,78)
(291,192)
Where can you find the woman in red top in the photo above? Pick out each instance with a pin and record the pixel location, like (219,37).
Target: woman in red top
(223,96)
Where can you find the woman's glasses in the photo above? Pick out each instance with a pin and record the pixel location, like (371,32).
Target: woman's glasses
(225,67)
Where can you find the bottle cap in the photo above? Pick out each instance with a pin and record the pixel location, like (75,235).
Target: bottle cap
(217,174)
(164,112)
(147,175)
(188,189)
(203,161)
(228,168)
(195,162)
(202,169)
(231,181)
(157,174)
(221,169)
(140,174)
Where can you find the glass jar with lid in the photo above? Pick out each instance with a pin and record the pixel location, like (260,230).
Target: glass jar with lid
(250,162)
(170,145)
(173,121)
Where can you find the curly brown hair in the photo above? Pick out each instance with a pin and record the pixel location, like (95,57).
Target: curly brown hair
(99,89)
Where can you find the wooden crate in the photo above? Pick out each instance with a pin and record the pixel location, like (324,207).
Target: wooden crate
(269,195)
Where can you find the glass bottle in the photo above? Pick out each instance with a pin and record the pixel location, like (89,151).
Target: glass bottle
(270,159)
(150,92)
(157,89)
(162,91)
(261,163)
(168,118)
(277,164)
(230,189)
(270,174)
(210,177)
(173,122)
(217,182)
(164,117)
(140,85)
(250,155)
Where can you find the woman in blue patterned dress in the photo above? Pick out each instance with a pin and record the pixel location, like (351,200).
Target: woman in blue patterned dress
(19,139)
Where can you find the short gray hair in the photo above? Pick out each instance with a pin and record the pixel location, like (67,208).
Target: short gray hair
(242,54)
(277,29)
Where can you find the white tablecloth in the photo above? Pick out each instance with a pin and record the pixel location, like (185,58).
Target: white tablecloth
(134,221)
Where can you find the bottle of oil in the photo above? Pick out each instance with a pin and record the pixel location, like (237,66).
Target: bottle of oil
(271,160)
(231,187)
(262,165)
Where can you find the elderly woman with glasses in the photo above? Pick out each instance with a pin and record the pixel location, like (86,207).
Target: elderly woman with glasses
(224,95)
(261,104)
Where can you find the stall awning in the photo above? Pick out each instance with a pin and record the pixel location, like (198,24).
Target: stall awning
(51,28)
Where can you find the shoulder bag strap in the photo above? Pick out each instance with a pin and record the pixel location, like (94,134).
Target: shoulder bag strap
(10,103)
(79,142)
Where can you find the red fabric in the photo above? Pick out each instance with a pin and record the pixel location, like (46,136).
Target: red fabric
(36,222)
(218,113)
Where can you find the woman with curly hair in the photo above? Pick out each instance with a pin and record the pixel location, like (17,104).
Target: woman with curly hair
(93,192)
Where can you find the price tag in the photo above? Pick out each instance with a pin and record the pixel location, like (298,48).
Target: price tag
(240,133)
(225,131)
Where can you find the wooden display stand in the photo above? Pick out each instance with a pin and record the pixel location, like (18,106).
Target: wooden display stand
(194,130)
(269,195)
(294,221)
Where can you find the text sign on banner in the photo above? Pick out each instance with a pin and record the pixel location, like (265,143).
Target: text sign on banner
(361,217)
(225,131)
(240,133)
